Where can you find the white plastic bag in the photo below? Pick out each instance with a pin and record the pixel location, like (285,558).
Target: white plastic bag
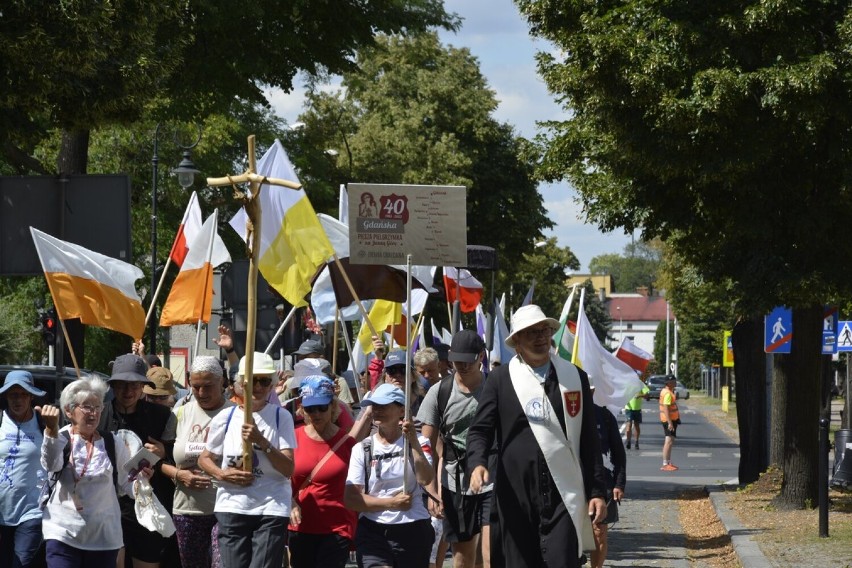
(149,511)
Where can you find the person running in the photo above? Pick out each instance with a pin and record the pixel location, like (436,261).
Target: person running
(633,412)
(670,418)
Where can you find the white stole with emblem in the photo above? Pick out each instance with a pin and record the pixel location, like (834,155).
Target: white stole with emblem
(560,453)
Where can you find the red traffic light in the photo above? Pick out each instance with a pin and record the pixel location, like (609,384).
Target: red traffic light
(49,323)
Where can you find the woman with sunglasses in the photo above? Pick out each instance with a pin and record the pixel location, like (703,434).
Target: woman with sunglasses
(321,527)
(394,373)
(394,528)
(252,507)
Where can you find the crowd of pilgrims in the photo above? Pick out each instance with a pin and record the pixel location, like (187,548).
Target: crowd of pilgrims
(329,478)
(314,494)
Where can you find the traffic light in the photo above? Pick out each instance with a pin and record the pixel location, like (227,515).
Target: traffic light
(48,327)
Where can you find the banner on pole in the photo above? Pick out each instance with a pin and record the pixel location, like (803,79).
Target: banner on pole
(388,222)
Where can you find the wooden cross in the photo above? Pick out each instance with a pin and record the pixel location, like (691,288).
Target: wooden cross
(251,203)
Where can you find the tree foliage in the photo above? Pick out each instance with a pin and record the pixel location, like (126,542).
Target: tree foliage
(418,112)
(637,267)
(77,65)
(725,129)
(722,127)
(547,264)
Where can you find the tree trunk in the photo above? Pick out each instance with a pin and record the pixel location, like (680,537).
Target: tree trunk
(778,412)
(73,153)
(73,159)
(750,369)
(801,373)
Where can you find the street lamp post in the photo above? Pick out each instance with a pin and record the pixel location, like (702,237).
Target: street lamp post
(185,172)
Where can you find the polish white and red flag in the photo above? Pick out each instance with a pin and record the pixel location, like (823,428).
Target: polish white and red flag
(462,286)
(189,228)
(634,356)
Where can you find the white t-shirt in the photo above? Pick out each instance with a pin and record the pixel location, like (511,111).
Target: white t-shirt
(386,477)
(270,493)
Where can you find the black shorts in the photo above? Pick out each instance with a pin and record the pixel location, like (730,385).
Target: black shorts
(140,543)
(673,431)
(634,416)
(464,515)
(406,544)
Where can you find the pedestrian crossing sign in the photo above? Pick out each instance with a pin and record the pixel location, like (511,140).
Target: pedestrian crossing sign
(844,336)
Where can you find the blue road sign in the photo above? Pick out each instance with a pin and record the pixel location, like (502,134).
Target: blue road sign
(829,330)
(844,336)
(778,330)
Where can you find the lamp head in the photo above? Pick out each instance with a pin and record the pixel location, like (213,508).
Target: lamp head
(186,171)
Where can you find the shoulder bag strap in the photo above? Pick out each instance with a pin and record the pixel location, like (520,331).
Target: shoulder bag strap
(324,459)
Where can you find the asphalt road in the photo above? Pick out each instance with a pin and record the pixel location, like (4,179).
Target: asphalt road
(648,533)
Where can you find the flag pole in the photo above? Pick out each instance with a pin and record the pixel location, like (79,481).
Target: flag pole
(581,313)
(334,342)
(281,329)
(351,360)
(65,331)
(157,292)
(349,285)
(405,444)
(206,280)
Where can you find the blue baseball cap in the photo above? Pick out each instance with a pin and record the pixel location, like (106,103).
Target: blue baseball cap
(396,357)
(385,393)
(316,390)
(23,379)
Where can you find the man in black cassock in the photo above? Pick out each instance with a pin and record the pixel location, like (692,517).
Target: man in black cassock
(536,518)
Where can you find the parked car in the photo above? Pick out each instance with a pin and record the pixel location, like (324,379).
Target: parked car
(681,391)
(49,379)
(657,383)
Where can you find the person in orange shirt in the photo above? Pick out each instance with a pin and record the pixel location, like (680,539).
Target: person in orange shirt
(670,418)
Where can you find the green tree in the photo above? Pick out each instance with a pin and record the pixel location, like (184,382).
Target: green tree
(637,267)
(547,264)
(724,129)
(76,65)
(418,112)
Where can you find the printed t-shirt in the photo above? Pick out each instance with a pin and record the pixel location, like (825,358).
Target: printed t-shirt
(21,474)
(193,428)
(270,493)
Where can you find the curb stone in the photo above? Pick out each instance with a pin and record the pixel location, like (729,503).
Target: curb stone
(747,550)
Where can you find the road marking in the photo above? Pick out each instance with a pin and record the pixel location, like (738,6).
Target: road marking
(699,455)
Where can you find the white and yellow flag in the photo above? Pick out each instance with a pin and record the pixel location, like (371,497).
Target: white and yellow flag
(293,244)
(191,296)
(98,289)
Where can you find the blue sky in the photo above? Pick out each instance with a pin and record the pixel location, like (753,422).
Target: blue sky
(497,36)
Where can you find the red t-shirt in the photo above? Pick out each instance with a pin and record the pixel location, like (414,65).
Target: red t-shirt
(321,501)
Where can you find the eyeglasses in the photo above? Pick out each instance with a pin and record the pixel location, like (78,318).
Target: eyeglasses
(315,408)
(395,370)
(544,331)
(263,381)
(89,409)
